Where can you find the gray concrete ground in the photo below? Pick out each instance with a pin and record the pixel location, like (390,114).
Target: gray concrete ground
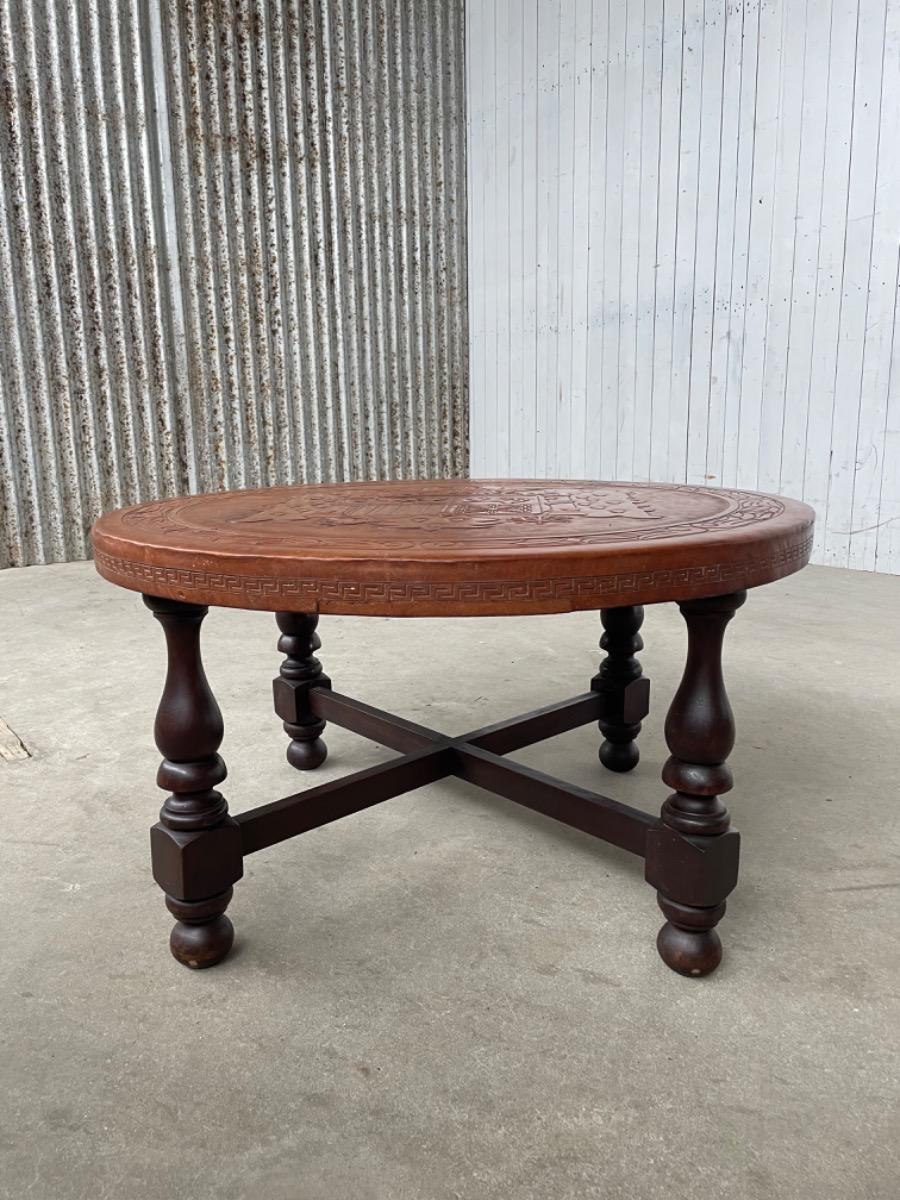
(447,997)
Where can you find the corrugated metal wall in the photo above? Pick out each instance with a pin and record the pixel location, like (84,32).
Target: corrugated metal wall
(232,251)
(684,233)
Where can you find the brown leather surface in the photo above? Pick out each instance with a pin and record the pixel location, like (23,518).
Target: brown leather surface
(453,547)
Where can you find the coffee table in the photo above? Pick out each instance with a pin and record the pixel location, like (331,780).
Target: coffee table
(453,548)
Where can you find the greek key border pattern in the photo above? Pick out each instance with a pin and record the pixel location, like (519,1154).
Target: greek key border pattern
(323,591)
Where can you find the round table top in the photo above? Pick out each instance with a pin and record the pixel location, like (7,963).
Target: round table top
(453,547)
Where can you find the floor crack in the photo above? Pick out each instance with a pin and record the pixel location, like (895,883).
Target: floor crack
(12,748)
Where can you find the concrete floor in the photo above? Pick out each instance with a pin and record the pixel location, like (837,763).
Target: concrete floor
(448,997)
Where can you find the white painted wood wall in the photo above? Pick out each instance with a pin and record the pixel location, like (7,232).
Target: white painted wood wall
(684,220)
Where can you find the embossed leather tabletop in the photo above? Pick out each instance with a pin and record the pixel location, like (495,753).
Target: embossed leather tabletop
(453,547)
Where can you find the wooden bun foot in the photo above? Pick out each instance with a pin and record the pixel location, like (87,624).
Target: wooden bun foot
(688,942)
(619,756)
(692,952)
(202,935)
(306,756)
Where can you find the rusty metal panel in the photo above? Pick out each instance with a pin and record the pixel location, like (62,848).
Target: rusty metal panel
(232,252)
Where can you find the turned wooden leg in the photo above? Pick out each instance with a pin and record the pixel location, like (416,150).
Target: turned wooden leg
(692,858)
(620,680)
(300,672)
(196,846)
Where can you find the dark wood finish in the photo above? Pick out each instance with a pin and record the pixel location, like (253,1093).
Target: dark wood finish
(513,734)
(453,547)
(272,823)
(378,726)
(433,756)
(691,853)
(694,861)
(196,846)
(626,694)
(299,674)
(460,548)
(582,809)
(500,737)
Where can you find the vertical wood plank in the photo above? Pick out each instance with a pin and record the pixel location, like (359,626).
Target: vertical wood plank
(530,56)
(559,415)
(709,199)
(666,238)
(504,14)
(610,309)
(830,266)
(723,289)
(762,189)
(806,251)
(645,326)
(548,117)
(629,241)
(859,229)
(581,392)
(783,245)
(875,518)
(740,257)
(684,310)
(517,185)
(594,431)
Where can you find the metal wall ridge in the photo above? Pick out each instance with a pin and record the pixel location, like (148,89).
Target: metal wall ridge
(232,252)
